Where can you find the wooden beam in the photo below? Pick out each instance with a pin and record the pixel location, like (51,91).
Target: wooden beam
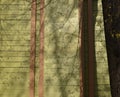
(41,80)
(81,40)
(91,53)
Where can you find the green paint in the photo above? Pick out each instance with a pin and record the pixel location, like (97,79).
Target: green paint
(61,64)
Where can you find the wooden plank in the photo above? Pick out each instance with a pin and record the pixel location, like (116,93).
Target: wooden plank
(81,40)
(91,55)
(41,76)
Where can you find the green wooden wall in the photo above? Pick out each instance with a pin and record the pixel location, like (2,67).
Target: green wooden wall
(61,63)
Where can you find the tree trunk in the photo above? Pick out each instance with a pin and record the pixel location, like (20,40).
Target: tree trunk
(111,12)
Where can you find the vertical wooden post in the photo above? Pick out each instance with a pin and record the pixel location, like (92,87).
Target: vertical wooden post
(91,54)
(81,47)
(32,48)
(41,80)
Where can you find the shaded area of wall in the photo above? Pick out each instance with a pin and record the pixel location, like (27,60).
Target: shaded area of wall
(112,34)
(85,35)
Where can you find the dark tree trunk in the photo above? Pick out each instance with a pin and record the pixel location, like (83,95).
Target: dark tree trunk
(111,12)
